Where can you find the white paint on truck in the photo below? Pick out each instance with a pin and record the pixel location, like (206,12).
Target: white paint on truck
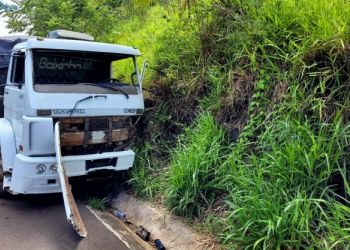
(51,79)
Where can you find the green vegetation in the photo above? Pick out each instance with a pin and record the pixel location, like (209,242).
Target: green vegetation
(190,183)
(249,122)
(97,203)
(39,17)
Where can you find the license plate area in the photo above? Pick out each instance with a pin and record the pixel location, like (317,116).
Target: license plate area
(101,163)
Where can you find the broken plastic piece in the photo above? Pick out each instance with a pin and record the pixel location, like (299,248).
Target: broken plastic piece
(119,214)
(143,233)
(159,245)
(70,206)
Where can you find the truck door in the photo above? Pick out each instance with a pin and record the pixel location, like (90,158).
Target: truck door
(14,93)
(3,77)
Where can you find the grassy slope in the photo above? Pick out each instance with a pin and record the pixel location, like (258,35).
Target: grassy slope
(259,92)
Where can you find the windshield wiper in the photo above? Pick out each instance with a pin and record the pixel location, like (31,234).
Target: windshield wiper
(78,102)
(111,84)
(106,85)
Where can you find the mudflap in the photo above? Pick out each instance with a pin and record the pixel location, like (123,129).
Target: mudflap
(70,206)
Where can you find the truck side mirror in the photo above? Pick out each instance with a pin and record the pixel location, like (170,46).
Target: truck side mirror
(144,66)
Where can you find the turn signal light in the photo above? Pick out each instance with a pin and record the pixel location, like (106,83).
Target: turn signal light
(139,111)
(43,112)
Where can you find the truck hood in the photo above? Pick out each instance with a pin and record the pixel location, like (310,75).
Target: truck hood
(82,105)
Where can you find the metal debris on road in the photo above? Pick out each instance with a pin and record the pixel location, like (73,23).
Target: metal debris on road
(119,214)
(143,233)
(159,244)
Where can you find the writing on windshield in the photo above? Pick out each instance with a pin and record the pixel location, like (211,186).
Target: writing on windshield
(70,67)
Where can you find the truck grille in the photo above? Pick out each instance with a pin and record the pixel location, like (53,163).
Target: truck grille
(91,135)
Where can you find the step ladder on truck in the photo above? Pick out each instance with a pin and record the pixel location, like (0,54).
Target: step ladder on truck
(64,112)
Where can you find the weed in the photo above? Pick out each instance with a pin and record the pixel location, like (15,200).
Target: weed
(98,203)
(190,187)
(146,175)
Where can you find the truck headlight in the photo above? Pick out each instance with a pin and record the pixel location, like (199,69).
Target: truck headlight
(40,168)
(53,168)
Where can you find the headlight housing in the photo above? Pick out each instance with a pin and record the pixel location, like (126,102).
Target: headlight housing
(40,168)
(53,168)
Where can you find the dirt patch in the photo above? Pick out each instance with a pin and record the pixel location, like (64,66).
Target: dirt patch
(279,92)
(170,229)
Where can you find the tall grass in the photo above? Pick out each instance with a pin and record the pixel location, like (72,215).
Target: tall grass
(277,185)
(147,173)
(282,197)
(142,31)
(190,180)
(98,203)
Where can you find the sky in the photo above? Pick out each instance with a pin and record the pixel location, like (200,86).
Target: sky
(3,30)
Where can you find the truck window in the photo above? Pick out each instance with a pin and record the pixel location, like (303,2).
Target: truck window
(17,72)
(3,78)
(57,67)
(124,70)
(83,72)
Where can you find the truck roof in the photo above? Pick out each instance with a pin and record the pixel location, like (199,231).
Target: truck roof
(76,45)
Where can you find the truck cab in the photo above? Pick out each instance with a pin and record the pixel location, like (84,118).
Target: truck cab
(92,90)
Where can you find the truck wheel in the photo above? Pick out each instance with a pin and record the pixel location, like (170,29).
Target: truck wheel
(3,193)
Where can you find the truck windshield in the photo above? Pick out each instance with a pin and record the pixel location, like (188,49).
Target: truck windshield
(70,71)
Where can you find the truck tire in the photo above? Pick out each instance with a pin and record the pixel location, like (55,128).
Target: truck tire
(3,193)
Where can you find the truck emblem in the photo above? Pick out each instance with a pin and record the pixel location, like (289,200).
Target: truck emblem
(68,111)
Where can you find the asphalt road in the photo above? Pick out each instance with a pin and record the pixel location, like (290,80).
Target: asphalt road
(39,222)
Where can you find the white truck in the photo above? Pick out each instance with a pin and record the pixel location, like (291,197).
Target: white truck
(65,114)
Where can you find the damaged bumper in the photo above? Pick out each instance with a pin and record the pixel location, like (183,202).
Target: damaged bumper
(37,175)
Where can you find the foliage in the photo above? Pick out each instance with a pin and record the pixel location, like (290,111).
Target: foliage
(135,31)
(282,66)
(97,203)
(147,174)
(39,17)
(190,180)
(282,197)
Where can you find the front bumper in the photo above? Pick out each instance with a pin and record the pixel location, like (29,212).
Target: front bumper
(25,180)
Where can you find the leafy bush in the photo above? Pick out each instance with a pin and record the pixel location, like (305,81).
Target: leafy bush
(39,17)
